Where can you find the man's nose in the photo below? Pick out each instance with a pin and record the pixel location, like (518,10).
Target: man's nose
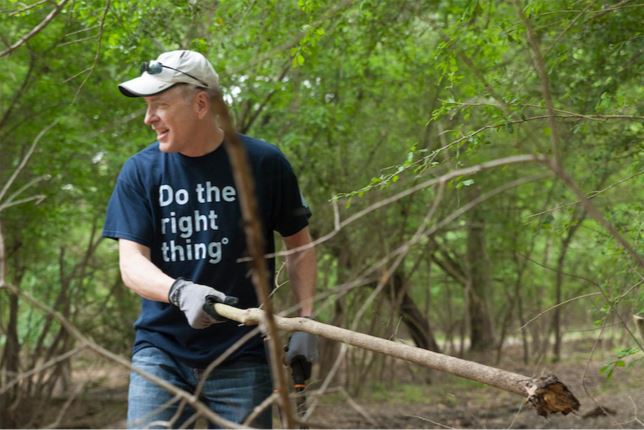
(150,117)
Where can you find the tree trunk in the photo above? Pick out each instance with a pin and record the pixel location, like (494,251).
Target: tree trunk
(481,331)
(417,324)
(565,245)
(10,364)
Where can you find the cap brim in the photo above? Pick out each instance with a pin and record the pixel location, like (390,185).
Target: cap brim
(144,85)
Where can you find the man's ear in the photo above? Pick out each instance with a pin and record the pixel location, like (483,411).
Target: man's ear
(202,104)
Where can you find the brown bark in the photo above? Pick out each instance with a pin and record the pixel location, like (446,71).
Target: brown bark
(565,245)
(256,249)
(416,322)
(481,331)
(10,364)
(547,394)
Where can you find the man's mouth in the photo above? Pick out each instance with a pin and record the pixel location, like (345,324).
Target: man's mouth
(162,134)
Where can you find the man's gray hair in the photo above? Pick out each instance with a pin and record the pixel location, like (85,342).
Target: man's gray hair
(189,88)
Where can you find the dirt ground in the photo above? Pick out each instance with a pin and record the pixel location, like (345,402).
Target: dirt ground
(451,402)
(446,402)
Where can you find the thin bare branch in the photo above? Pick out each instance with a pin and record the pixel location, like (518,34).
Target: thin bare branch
(472,170)
(25,159)
(359,409)
(98,50)
(556,306)
(540,67)
(590,195)
(74,332)
(555,163)
(243,177)
(27,8)
(268,402)
(3,258)
(572,22)
(38,198)
(328,16)
(20,91)
(54,361)
(36,29)
(595,213)
(63,411)
(431,421)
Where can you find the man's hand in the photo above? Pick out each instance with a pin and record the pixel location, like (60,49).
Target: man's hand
(302,349)
(195,301)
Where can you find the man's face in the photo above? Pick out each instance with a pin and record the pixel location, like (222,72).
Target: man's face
(172,116)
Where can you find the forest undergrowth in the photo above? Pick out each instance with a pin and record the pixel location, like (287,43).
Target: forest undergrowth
(408,396)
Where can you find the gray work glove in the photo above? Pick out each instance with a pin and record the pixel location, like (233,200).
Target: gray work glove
(302,350)
(196,301)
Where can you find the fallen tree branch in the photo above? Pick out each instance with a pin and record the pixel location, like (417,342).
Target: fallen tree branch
(55,11)
(547,394)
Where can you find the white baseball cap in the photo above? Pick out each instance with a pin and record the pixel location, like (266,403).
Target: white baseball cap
(171,68)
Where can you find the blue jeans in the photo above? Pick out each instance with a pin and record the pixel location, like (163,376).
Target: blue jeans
(231,391)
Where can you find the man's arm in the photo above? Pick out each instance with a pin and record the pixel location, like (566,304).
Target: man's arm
(140,274)
(302,270)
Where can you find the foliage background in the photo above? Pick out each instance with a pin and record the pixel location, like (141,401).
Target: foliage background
(367,99)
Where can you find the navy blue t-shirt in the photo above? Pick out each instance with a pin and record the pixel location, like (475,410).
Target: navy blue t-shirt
(186,210)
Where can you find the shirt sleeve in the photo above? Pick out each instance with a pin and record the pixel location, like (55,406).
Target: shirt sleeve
(291,213)
(129,213)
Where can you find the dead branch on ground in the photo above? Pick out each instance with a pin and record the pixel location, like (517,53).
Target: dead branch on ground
(547,394)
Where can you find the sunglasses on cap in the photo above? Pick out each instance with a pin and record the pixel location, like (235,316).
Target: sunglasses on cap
(155,67)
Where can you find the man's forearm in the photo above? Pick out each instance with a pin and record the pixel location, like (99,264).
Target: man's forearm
(141,275)
(302,273)
(302,270)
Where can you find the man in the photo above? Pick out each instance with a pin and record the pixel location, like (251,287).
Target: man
(175,212)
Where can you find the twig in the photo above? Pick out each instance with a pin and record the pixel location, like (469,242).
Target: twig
(20,91)
(430,421)
(369,274)
(540,67)
(260,408)
(566,114)
(82,30)
(71,42)
(3,259)
(25,159)
(74,332)
(98,50)
(558,305)
(590,195)
(328,16)
(38,198)
(202,380)
(587,366)
(54,361)
(254,238)
(36,29)
(568,27)
(26,8)
(555,163)
(594,212)
(66,406)
(515,159)
(359,409)
(403,250)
